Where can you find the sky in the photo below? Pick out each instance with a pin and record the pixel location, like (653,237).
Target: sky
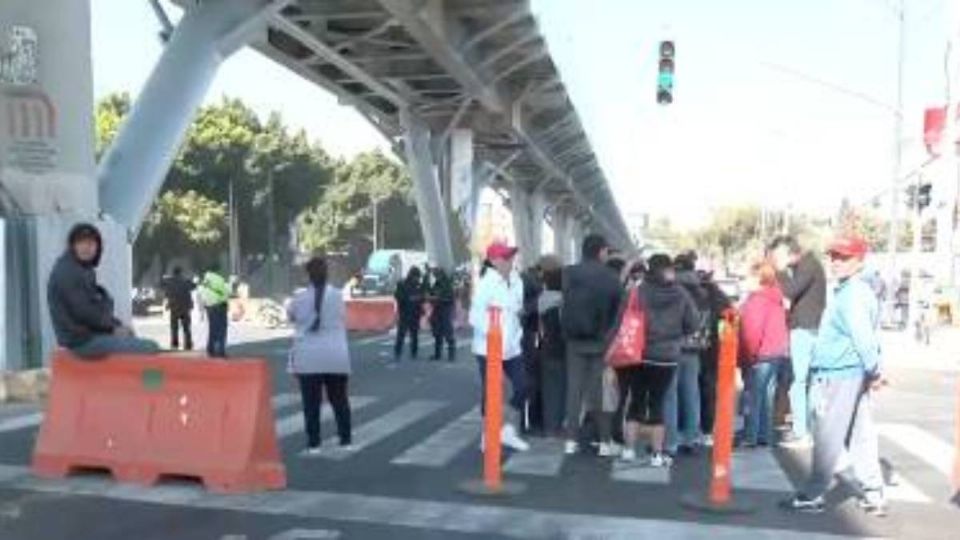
(748,124)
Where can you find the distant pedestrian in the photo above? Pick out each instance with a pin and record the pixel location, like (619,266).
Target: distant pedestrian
(718,303)
(552,349)
(804,285)
(530,324)
(442,312)
(844,373)
(591,303)
(671,318)
(500,287)
(179,294)
(764,345)
(320,358)
(81,310)
(409,297)
(215,292)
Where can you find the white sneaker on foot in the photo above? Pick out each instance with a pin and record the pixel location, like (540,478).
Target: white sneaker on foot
(661,460)
(570,448)
(508,434)
(628,455)
(606,450)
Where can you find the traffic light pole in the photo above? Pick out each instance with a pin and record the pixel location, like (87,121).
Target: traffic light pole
(894,231)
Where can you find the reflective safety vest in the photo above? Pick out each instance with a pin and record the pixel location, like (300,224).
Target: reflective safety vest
(214,289)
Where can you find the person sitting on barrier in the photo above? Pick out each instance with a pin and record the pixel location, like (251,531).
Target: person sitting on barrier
(80,309)
(764,345)
(844,373)
(320,357)
(500,287)
(409,297)
(671,318)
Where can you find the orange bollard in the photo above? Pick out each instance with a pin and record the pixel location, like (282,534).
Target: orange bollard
(492,482)
(493,421)
(956,460)
(718,498)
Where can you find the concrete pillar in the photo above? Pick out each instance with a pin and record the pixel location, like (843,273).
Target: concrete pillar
(563,234)
(578,233)
(463,184)
(432,213)
(527,211)
(134,167)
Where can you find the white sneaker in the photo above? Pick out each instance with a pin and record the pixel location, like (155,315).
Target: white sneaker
(508,434)
(570,448)
(628,455)
(606,450)
(659,460)
(311,452)
(707,440)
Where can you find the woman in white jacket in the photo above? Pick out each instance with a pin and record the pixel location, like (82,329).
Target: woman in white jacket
(500,287)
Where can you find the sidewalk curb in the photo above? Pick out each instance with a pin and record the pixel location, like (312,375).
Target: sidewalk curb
(30,385)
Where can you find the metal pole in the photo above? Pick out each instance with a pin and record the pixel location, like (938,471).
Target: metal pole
(376,236)
(898,145)
(271,232)
(917,252)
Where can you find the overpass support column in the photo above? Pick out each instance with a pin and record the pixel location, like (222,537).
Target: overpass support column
(134,168)
(423,169)
(563,235)
(527,209)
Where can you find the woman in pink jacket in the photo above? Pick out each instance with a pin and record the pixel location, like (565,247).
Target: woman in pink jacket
(764,344)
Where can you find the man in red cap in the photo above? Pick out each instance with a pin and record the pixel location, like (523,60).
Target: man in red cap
(500,287)
(845,368)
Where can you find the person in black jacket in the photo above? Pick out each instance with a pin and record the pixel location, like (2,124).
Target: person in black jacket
(409,297)
(671,318)
(553,360)
(80,309)
(804,284)
(718,303)
(179,292)
(591,303)
(442,311)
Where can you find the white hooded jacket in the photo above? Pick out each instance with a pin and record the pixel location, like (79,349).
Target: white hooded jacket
(494,291)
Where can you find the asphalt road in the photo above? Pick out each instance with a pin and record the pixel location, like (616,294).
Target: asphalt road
(416,434)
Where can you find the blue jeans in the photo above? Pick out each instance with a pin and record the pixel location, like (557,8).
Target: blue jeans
(516,372)
(802,343)
(758,426)
(102,345)
(217,336)
(682,402)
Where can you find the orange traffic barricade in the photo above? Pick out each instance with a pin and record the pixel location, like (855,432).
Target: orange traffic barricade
(718,497)
(145,417)
(371,314)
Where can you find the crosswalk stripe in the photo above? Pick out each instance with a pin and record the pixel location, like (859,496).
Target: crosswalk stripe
(922,444)
(639,473)
(759,470)
(281,401)
(20,422)
(905,491)
(440,448)
(482,520)
(545,458)
(383,427)
(293,423)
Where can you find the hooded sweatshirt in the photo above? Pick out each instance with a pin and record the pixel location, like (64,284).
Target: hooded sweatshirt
(79,307)
(671,317)
(493,291)
(763,327)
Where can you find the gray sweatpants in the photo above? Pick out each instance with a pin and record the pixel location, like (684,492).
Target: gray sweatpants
(585,367)
(842,417)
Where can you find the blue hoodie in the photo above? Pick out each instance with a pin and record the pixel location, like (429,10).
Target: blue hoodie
(848,343)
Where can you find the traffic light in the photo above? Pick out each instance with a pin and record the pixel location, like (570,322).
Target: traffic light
(923,195)
(665,73)
(912,196)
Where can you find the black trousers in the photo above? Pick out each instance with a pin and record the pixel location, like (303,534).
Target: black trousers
(217,335)
(178,321)
(441,323)
(311,396)
(407,326)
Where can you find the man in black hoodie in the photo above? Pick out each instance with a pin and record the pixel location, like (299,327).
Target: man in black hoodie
(591,303)
(80,309)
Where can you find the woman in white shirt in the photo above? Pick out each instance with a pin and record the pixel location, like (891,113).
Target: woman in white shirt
(500,287)
(320,358)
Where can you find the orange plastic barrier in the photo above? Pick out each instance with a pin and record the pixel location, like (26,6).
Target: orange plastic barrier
(720,477)
(371,314)
(493,419)
(143,417)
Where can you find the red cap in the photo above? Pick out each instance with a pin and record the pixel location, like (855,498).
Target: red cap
(849,246)
(500,250)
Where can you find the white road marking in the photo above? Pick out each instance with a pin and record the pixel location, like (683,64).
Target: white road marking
(545,458)
(452,517)
(759,469)
(639,472)
(293,423)
(383,427)
(440,448)
(307,534)
(281,401)
(934,451)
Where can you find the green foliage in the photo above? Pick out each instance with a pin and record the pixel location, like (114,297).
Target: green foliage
(108,116)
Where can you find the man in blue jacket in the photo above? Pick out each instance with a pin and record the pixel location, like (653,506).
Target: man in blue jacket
(844,370)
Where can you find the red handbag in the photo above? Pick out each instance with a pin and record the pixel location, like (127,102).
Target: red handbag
(630,340)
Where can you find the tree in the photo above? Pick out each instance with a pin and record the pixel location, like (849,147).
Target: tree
(181,224)
(109,114)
